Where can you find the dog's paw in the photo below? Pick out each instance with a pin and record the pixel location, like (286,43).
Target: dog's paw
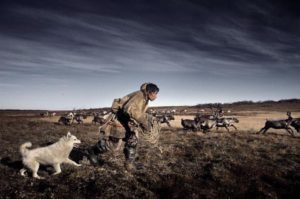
(39,177)
(56,173)
(78,165)
(23,172)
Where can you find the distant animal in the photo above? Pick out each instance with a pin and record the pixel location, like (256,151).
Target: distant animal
(189,124)
(207,124)
(184,111)
(215,114)
(65,120)
(70,115)
(296,124)
(79,118)
(165,118)
(45,114)
(227,122)
(98,119)
(209,121)
(279,124)
(54,154)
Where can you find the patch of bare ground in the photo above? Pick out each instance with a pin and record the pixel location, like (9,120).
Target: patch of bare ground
(239,164)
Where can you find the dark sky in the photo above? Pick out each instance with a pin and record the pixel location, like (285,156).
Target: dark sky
(82,54)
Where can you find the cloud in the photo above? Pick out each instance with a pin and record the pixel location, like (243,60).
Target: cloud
(92,43)
(9,85)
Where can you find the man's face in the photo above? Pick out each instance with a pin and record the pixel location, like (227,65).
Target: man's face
(152,96)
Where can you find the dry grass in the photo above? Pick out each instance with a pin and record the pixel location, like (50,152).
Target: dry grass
(240,164)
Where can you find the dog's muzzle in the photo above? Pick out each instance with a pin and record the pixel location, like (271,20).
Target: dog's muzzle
(76,145)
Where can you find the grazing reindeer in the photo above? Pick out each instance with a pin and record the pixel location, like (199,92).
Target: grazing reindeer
(279,124)
(227,122)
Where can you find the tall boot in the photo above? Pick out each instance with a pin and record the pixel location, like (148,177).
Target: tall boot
(130,158)
(95,150)
(130,152)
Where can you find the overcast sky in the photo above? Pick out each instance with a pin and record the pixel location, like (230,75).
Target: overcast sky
(83,54)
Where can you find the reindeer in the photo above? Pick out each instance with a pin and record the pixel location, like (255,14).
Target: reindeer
(65,120)
(207,121)
(78,118)
(165,118)
(188,124)
(227,122)
(183,111)
(207,124)
(217,113)
(45,114)
(70,116)
(279,124)
(296,124)
(98,119)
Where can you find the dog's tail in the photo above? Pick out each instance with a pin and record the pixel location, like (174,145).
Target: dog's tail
(23,148)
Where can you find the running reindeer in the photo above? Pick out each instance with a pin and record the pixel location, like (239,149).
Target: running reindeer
(279,124)
(296,124)
(227,122)
(207,121)
(216,119)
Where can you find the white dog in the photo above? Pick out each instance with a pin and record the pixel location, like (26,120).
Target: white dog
(54,155)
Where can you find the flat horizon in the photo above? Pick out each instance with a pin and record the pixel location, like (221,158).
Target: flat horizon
(200,104)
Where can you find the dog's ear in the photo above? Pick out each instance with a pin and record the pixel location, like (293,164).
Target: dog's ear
(69,134)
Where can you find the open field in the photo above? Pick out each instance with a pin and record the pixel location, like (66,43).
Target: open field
(239,164)
(248,121)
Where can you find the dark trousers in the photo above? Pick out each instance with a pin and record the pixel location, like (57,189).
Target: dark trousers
(131,141)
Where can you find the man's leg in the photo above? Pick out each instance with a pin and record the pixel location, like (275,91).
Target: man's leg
(130,151)
(100,147)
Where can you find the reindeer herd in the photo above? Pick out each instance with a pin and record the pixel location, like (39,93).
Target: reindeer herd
(206,122)
(201,122)
(71,118)
(216,119)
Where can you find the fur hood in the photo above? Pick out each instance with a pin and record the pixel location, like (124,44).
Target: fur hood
(135,104)
(143,87)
